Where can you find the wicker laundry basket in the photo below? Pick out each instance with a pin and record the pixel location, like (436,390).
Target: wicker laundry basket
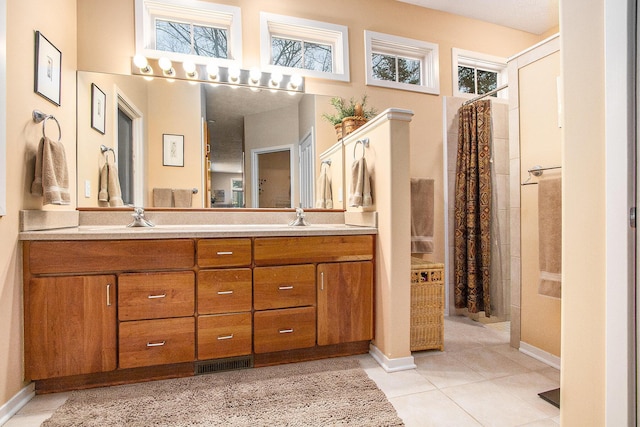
(427,305)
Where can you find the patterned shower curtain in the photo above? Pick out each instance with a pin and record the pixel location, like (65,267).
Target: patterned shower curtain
(472,239)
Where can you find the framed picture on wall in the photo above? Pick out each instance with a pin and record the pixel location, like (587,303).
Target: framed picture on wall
(98,108)
(48,69)
(173,150)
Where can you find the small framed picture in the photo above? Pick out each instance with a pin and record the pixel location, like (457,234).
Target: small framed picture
(173,150)
(48,69)
(98,108)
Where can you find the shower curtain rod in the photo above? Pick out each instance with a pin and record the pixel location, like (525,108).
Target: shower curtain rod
(484,95)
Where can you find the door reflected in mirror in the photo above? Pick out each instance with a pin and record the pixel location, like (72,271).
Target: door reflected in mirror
(225,130)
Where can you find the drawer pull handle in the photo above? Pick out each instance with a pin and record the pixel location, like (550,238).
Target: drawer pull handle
(285,288)
(155,344)
(157,296)
(286,331)
(225,253)
(225,337)
(225,292)
(108,294)
(322,281)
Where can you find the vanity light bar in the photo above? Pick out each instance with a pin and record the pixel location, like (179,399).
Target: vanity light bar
(235,76)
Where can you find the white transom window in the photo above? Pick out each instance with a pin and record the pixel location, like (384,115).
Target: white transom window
(302,46)
(193,30)
(401,63)
(476,73)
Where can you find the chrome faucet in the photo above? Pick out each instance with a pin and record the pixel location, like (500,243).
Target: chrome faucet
(299,221)
(139,220)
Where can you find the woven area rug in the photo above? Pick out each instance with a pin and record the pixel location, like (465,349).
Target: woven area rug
(331,392)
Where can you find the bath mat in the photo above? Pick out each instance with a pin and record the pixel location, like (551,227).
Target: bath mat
(331,392)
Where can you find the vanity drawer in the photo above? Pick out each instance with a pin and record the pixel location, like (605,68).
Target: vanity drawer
(224,252)
(224,291)
(302,250)
(284,286)
(224,335)
(285,329)
(156,342)
(156,295)
(94,256)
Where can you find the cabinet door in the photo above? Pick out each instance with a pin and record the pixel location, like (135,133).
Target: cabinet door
(71,325)
(345,302)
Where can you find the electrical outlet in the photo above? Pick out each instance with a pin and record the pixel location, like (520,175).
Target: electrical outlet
(87,189)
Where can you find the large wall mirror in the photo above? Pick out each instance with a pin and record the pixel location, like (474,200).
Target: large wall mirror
(224,146)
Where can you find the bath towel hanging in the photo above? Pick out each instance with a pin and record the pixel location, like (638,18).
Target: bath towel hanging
(325,197)
(182,197)
(550,236)
(360,188)
(422,199)
(51,178)
(162,197)
(110,193)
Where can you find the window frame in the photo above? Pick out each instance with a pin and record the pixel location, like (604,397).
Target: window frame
(482,61)
(426,52)
(306,30)
(193,12)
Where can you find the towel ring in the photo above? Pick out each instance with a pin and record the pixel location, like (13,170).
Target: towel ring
(364,142)
(39,116)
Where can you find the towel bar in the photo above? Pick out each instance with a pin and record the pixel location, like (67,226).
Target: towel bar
(38,116)
(537,171)
(365,144)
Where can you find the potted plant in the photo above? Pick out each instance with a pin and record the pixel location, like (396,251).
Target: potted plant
(350,115)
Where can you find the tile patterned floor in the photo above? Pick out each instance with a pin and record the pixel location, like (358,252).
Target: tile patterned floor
(477,381)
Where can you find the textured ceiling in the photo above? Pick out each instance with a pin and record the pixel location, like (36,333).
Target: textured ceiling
(533,16)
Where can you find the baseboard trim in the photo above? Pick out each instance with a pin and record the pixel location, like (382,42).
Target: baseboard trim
(16,403)
(391,365)
(541,355)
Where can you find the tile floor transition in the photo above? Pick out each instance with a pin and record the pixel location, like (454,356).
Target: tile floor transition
(479,380)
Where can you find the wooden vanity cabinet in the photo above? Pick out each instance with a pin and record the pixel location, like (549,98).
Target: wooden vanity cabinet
(156,313)
(333,312)
(70,325)
(345,302)
(109,312)
(285,312)
(73,337)
(224,298)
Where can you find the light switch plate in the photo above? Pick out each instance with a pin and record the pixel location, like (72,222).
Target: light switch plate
(87,188)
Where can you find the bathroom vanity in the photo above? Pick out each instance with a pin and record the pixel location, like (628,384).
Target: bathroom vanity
(108,305)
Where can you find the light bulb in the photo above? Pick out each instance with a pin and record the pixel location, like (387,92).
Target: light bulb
(295,81)
(212,71)
(165,63)
(254,75)
(189,69)
(276,78)
(234,73)
(141,62)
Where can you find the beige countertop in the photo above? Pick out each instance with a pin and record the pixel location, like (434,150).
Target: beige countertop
(180,231)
